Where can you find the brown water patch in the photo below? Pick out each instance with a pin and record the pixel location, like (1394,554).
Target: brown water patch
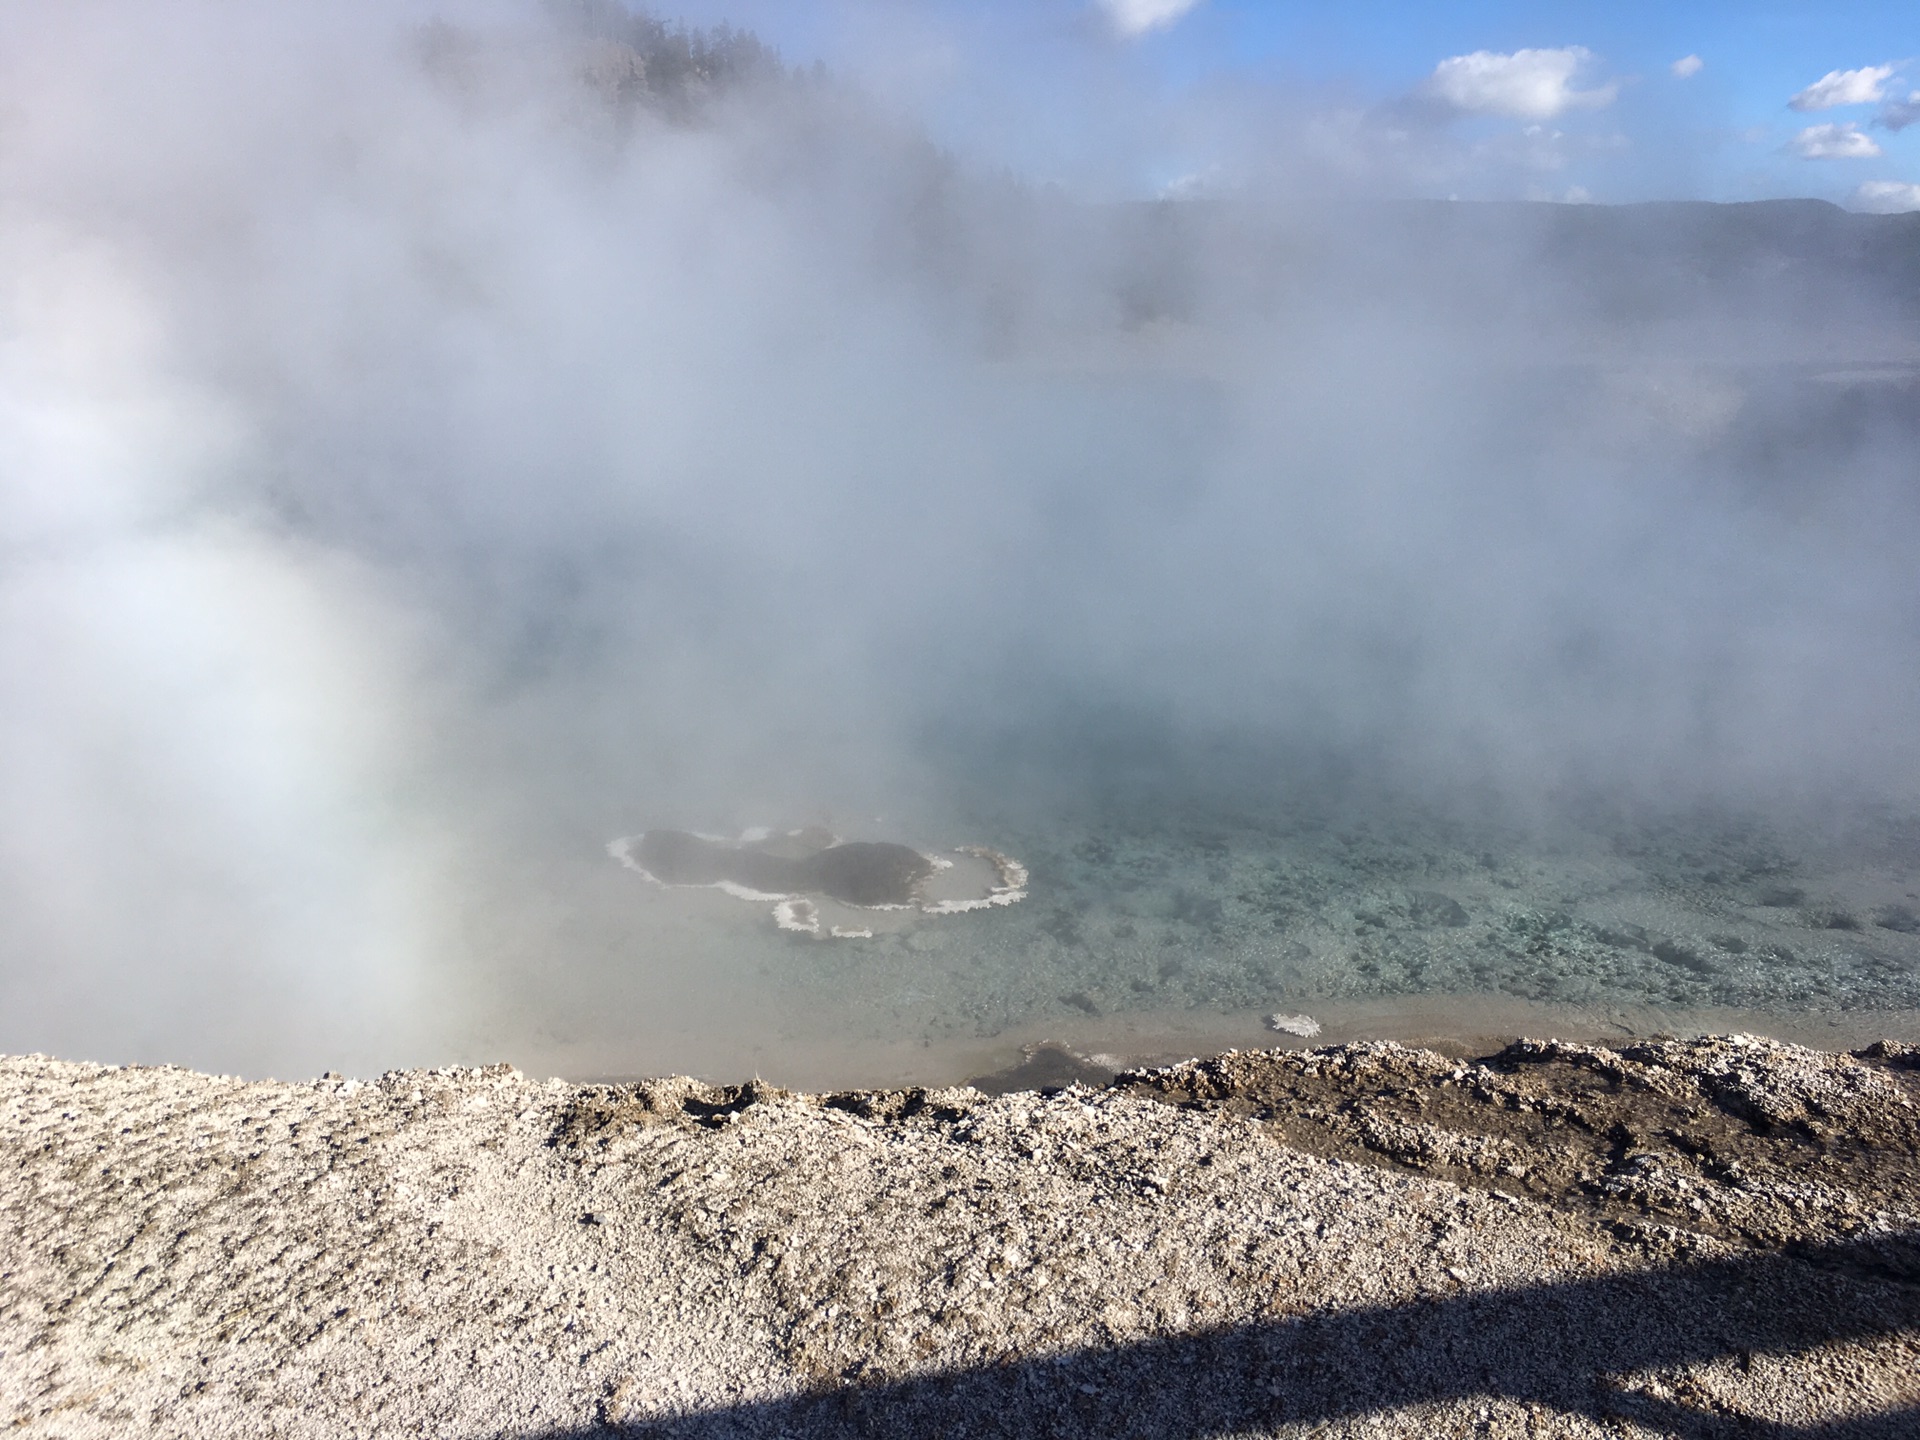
(866,872)
(1047,1066)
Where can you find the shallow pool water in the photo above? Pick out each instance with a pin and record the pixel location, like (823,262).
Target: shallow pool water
(1154,928)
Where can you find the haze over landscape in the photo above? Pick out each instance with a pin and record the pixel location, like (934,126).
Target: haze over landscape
(442,439)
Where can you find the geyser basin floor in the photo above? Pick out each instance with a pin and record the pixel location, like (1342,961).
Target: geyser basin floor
(1365,1241)
(1175,931)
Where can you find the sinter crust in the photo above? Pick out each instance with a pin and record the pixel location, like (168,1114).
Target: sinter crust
(1367,1239)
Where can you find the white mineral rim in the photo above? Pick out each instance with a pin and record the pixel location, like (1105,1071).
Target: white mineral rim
(621,849)
(797,914)
(1305,1026)
(743,892)
(1011,890)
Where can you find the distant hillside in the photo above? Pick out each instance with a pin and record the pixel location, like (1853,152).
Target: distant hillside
(1801,265)
(1020,263)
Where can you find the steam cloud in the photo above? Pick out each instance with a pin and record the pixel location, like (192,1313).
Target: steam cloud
(431,446)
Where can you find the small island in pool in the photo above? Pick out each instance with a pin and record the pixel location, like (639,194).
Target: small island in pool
(809,872)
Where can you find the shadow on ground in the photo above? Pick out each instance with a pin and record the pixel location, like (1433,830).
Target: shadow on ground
(1604,1348)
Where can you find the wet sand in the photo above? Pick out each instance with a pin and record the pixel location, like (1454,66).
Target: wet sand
(1458,1025)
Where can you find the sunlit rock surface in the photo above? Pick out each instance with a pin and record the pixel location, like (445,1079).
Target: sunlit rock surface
(1559,1239)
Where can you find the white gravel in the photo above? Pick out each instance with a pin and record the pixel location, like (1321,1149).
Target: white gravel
(476,1253)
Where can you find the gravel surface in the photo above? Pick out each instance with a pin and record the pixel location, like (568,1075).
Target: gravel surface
(1702,1238)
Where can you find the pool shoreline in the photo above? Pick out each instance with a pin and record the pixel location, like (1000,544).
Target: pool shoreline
(1462,1026)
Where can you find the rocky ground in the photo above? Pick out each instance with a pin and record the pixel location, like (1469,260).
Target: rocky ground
(1706,1237)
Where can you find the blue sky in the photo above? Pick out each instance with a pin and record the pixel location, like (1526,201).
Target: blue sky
(1092,94)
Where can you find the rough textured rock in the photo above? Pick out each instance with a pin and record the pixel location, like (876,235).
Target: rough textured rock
(1738,1137)
(1700,1237)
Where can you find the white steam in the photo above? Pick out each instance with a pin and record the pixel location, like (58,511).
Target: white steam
(431,447)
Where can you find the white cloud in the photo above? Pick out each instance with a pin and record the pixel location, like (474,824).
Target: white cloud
(1687,66)
(1844,87)
(1833,142)
(1134,18)
(1898,114)
(1887,197)
(1529,84)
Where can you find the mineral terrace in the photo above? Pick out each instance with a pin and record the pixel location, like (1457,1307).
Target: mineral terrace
(1705,1237)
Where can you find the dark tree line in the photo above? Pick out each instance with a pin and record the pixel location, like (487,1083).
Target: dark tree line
(641,58)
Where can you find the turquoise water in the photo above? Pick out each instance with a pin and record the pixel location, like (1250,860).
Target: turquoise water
(1151,918)
(1592,696)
